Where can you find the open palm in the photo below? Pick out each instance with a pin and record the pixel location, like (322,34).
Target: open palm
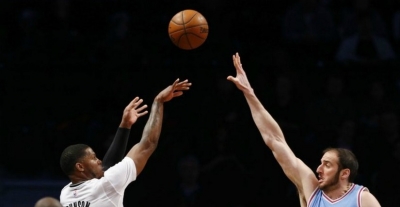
(174,90)
(240,80)
(132,112)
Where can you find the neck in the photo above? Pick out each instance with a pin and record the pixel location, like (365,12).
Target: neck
(78,179)
(338,191)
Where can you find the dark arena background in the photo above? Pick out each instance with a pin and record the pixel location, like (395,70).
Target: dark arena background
(327,71)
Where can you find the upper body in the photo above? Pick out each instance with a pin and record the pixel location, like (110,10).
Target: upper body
(94,186)
(351,198)
(338,166)
(107,191)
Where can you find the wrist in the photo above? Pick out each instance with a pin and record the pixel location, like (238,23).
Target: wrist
(158,100)
(249,91)
(125,125)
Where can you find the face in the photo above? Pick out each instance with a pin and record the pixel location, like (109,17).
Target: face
(328,171)
(92,166)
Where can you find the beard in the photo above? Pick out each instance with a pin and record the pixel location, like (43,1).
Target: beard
(330,184)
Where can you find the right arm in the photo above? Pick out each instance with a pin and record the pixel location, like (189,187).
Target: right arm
(141,152)
(301,175)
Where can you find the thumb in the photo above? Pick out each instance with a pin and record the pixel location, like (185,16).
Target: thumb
(230,78)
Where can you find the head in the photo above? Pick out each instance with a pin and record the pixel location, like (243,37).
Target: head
(80,161)
(338,166)
(48,202)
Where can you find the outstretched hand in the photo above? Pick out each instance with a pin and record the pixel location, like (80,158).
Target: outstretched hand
(132,112)
(241,81)
(174,90)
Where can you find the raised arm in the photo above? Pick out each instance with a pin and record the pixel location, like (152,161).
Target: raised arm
(301,175)
(142,151)
(117,149)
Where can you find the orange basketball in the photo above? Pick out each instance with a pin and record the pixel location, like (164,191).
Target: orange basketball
(188,29)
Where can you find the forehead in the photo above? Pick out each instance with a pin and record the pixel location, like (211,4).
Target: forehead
(330,156)
(89,151)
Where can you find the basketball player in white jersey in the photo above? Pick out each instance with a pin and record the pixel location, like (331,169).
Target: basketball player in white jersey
(334,185)
(90,185)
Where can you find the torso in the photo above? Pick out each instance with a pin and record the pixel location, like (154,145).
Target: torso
(350,199)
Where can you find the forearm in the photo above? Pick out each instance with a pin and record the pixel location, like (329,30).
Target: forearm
(116,151)
(152,130)
(265,123)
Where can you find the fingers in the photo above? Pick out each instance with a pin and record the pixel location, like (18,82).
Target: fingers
(178,93)
(141,108)
(142,113)
(133,102)
(230,78)
(175,82)
(184,85)
(236,62)
(183,82)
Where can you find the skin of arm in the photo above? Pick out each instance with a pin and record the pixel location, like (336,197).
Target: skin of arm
(141,152)
(117,149)
(299,173)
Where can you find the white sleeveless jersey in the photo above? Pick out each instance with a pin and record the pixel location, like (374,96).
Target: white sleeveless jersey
(107,191)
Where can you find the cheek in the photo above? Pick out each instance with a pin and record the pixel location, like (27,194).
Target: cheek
(329,171)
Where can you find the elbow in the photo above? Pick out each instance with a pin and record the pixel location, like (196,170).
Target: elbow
(149,145)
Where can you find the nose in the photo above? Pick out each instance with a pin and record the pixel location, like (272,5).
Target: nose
(99,162)
(319,169)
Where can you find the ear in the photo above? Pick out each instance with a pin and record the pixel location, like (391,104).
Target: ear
(344,174)
(79,167)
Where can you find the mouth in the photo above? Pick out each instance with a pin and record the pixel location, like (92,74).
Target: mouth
(320,180)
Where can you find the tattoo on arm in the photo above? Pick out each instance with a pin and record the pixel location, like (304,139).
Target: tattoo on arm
(152,130)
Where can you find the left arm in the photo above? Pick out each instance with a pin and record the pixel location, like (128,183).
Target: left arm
(369,200)
(117,150)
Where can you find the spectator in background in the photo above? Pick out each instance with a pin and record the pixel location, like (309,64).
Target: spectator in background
(189,192)
(360,10)
(396,26)
(365,47)
(308,21)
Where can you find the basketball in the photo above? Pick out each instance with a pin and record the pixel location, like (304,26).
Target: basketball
(188,29)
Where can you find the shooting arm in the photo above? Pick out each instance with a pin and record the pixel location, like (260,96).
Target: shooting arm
(142,151)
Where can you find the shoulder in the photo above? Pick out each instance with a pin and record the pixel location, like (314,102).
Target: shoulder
(367,199)
(125,167)
(127,161)
(308,181)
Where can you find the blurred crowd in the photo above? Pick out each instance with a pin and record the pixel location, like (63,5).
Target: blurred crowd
(327,71)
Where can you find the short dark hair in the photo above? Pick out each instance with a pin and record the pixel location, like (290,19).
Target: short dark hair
(70,157)
(347,160)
